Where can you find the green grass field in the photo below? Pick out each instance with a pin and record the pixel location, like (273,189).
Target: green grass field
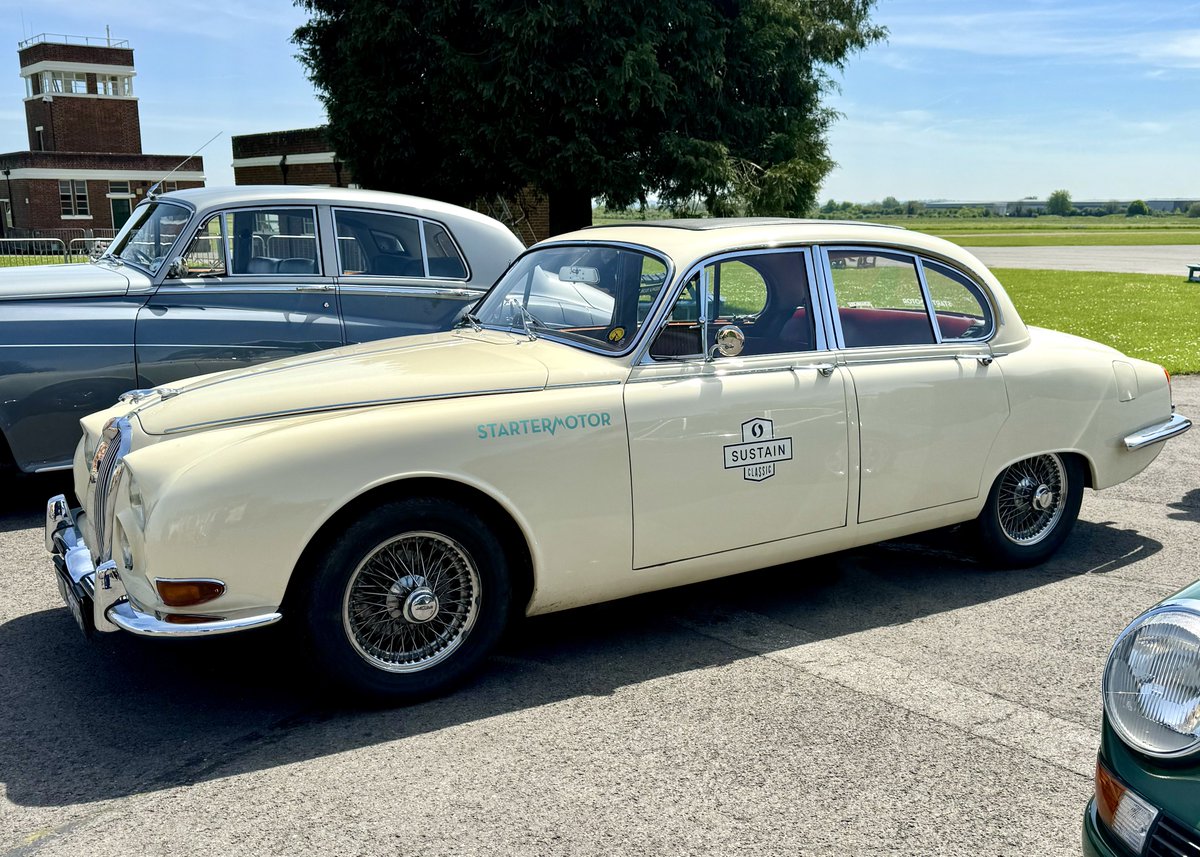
(1152,317)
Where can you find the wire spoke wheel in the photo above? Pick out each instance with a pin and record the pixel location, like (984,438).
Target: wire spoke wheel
(411,602)
(1032,495)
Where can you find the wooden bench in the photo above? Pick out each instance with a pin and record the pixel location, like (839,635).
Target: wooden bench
(1194,273)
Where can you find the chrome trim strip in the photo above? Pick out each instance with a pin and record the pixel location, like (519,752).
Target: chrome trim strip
(53,468)
(346,406)
(127,618)
(852,361)
(925,296)
(204,288)
(583,384)
(409,291)
(1159,432)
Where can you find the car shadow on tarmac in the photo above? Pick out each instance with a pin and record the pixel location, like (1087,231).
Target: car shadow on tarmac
(86,722)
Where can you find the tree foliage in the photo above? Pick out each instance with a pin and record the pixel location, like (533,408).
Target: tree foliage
(1059,202)
(715,101)
(1137,208)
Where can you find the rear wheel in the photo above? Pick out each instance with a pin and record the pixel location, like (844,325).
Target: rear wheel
(1031,509)
(409,600)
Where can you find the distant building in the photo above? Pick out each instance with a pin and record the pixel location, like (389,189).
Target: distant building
(1038,206)
(305,156)
(85,167)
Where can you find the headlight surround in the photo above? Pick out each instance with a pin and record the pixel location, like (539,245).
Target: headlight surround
(1151,684)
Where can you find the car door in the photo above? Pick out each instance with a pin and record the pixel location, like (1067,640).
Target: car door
(737,451)
(398,274)
(912,333)
(251,288)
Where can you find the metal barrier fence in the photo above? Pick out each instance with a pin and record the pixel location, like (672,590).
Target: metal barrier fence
(33,251)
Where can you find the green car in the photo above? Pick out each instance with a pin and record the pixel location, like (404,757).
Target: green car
(1147,798)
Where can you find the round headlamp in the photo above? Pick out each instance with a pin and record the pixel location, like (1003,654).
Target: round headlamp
(1151,683)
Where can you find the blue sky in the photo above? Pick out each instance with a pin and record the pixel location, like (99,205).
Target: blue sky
(968,99)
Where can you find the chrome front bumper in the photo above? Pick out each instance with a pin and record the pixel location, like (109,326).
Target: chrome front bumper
(96,596)
(1173,427)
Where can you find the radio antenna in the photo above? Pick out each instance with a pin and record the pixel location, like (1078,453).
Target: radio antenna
(153,192)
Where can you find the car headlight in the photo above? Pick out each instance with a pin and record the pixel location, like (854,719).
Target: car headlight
(1151,683)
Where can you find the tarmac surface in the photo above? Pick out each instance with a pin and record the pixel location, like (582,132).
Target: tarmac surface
(896,699)
(1156,259)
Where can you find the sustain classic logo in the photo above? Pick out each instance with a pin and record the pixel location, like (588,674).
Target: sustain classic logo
(759,451)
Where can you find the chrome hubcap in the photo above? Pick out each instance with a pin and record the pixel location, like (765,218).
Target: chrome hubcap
(411,602)
(1031,498)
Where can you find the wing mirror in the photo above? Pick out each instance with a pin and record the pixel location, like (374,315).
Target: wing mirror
(730,341)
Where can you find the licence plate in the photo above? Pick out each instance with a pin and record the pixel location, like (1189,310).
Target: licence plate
(76,603)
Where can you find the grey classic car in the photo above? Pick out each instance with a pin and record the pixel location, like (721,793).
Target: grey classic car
(210,279)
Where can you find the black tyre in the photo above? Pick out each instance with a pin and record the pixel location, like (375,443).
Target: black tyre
(409,600)
(1030,511)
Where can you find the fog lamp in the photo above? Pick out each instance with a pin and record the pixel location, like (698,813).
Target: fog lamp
(188,593)
(1122,811)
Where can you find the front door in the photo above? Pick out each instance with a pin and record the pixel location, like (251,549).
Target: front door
(120,211)
(737,451)
(251,288)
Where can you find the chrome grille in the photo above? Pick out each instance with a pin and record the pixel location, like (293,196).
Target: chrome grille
(116,440)
(1169,838)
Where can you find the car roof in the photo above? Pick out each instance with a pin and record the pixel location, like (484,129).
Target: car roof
(685,241)
(216,197)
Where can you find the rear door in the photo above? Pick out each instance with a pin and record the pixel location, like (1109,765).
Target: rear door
(253,288)
(398,274)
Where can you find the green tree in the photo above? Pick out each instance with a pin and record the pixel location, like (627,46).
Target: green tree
(1194,210)
(718,102)
(1137,208)
(1059,203)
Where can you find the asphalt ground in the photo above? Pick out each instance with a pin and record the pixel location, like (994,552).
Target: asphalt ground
(1151,259)
(896,699)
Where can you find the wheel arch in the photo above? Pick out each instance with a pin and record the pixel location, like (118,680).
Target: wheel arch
(511,534)
(1087,462)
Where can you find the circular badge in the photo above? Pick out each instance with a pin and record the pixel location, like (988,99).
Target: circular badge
(616,334)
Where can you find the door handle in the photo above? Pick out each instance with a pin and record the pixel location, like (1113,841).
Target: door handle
(314,288)
(983,359)
(826,369)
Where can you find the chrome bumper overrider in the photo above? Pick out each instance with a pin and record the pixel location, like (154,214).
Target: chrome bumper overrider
(1176,425)
(96,595)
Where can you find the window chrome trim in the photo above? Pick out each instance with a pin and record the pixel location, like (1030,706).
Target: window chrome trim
(655,309)
(430,291)
(990,307)
(644,358)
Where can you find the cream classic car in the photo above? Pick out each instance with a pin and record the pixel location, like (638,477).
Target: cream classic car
(738,394)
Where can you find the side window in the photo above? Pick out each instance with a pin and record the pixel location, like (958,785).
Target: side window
(879,299)
(764,294)
(205,256)
(959,305)
(444,260)
(272,241)
(381,245)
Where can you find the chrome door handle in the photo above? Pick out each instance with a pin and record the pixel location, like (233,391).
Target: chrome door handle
(314,288)
(826,369)
(983,359)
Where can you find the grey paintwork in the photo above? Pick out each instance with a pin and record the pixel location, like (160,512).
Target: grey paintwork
(74,337)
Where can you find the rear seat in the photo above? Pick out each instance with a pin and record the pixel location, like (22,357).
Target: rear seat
(262,265)
(298,265)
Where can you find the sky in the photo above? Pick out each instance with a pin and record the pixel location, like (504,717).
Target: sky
(966,99)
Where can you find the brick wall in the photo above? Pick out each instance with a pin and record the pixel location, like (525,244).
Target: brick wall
(295,142)
(82,124)
(51,52)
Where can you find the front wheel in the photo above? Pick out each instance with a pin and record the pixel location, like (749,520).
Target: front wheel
(1031,509)
(410,600)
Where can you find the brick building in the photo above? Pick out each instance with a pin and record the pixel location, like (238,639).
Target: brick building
(305,156)
(84,168)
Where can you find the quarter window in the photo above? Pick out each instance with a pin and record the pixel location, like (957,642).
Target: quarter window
(444,260)
(269,241)
(205,256)
(73,199)
(959,305)
(879,299)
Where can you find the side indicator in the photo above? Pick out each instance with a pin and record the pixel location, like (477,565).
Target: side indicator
(188,592)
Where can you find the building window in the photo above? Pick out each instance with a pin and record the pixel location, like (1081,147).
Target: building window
(29,87)
(113,84)
(170,187)
(72,196)
(64,81)
(118,187)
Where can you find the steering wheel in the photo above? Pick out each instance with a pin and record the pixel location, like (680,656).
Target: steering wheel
(142,256)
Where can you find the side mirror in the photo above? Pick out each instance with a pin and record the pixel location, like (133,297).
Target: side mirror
(730,341)
(178,268)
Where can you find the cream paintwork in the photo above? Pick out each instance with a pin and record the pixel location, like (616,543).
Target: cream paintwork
(240,471)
